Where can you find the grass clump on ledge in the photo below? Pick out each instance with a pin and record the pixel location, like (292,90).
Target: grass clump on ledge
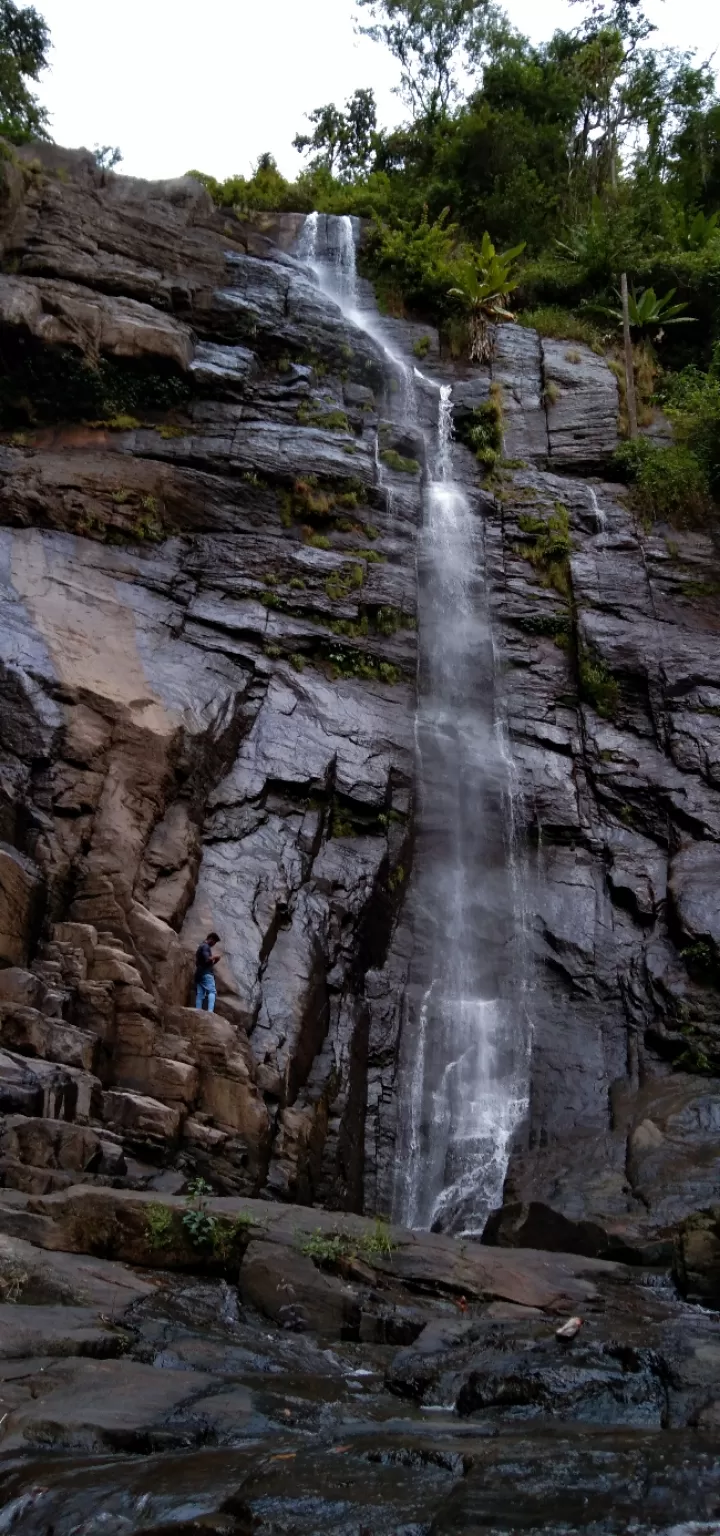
(331,1247)
(313,416)
(398,464)
(560,324)
(340,584)
(358,664)
(549,547)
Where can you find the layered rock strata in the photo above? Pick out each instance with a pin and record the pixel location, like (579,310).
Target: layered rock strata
(208,689)
(208,649)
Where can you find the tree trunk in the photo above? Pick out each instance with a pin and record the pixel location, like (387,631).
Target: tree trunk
(629,365)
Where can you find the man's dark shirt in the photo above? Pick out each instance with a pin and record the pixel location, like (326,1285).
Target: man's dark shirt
(203,962)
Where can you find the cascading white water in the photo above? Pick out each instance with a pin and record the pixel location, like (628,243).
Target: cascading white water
(464,1057)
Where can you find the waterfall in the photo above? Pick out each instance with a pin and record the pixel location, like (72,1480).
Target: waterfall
(463,1070)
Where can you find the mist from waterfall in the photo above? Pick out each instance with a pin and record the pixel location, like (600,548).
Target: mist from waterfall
(463,1070)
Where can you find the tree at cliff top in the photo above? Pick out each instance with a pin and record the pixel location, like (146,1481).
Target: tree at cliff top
(24,45)
(342,143)
(431,41)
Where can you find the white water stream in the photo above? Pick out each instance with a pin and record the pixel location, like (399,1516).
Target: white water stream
(463,1082)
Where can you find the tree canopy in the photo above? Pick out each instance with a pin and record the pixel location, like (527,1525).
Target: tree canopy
(24,46)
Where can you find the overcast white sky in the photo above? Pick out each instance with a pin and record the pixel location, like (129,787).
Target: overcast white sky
(179,84)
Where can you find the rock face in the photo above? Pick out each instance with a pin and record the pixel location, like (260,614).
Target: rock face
(208,649)
(340,1370)
(609,681)
(207,696)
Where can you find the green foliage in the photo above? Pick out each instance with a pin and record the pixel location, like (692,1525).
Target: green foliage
(24,48)
(597,685)
(197,1221)
(220,1238)
(159,1225)
(691,399)
(430,40)
(342,143)
(696,231)
(561,324)
(670,483)
(483,430)
(483,280)
(548,547)
(343,582)
(310,414)
(398,464)
(329,1248)
(107,156)
(356,663)
(647,312)
(421,347)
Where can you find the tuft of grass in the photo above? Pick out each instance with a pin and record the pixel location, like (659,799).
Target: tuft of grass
(551,392)
(119,423)
(159,1225)
(398,464)
(330,1248)
(421,347)
(341,583)
(561,325)
(316,540)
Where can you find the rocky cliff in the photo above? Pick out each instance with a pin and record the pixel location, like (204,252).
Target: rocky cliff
(208,656)
(207,708)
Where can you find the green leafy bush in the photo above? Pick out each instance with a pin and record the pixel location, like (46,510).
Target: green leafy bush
(670,484)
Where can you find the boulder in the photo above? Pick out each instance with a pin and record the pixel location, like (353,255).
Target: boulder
(697,1257)
(288,1288)
(140,1116)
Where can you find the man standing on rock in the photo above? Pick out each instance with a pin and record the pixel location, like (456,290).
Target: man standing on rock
(205,961)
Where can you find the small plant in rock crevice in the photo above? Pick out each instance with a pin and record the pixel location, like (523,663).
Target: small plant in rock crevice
(331,1247)
(549,547)
(597,685)
(218,1238)
(482,430)
(398,463)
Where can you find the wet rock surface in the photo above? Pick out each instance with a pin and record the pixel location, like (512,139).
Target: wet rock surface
(363,1399)
(207,698)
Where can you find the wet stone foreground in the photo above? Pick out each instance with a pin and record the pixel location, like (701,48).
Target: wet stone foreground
(329,1374)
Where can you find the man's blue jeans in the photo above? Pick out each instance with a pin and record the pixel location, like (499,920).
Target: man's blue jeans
(205,989)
